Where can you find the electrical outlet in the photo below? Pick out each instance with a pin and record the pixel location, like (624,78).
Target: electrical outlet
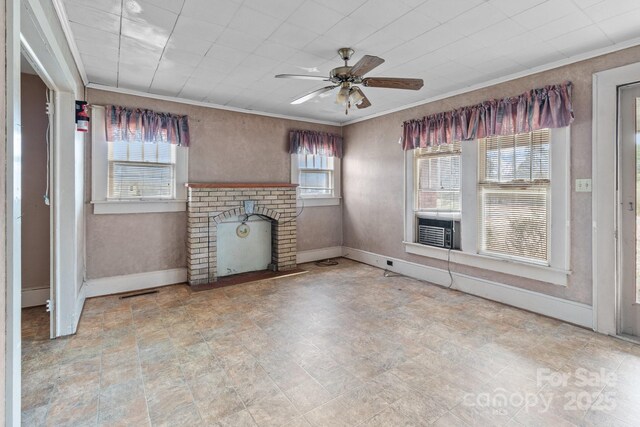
(583,185)
(390,263)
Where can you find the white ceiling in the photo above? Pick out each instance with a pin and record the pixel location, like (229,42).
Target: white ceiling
(227,52)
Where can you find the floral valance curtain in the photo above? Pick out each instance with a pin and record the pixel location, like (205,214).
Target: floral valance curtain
(311,142)
(132,124)
(547,107)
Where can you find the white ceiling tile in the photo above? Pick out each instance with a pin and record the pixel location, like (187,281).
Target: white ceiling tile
(96,62)
(511,7)
(214,72)
(498,67)
(101,76)
(380,42)
(324,47)
(197,29)
(151,37)
(496,34)
(276,51)
(216,11)
(147,13)
(582,40)
(225,54)
(292,35)
(174,6)
(548,11)
(380,13)
(349,32)
(197,89)
(479,18)
(276,8)
(622,27)
(343,6)
(177,68)
(181,56)
(167,83)
(188,44)
(409,26)
(111,6)
(92,34)
(564,25)
(94,18)
(446,10)
(239,40)
(315,17)
(108,52)
(254,22)
(610,8)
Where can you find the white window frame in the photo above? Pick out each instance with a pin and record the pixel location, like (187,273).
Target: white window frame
(100,170)
(321,200)
(434,213)
(556,272)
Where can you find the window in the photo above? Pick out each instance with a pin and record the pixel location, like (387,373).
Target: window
(438,178)
(318,178)
(514,195)
(131,177)
(140,170)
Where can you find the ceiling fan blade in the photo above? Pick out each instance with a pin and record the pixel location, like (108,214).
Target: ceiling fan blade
(301,77)
(366,64)
(364,103)
(393,83)
(313,94)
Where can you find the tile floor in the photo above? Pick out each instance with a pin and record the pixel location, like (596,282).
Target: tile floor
(337,346)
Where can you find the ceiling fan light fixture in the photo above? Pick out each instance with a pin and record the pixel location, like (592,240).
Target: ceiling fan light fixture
(343,94)
(355,96)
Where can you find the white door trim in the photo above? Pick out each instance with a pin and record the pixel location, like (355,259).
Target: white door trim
(13,348)
(604,196)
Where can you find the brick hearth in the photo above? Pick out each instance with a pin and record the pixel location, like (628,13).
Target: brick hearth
(211,203)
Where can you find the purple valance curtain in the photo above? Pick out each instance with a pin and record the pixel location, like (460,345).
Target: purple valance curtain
(132,124)
(547,107)
(311,142)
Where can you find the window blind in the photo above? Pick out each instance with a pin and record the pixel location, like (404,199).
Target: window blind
(316,174)
(514,195)
(141,170)
(438,178)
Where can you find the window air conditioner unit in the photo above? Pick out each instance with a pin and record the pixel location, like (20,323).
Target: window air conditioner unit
(438,232)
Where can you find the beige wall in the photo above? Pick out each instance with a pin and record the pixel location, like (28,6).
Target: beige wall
(225,147)
(373,175)
(35,214)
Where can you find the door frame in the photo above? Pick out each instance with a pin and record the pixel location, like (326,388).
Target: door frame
(605,194)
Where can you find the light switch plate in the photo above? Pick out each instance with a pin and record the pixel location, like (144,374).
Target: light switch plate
(583,185)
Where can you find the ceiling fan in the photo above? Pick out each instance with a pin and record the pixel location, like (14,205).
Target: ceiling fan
(348,77)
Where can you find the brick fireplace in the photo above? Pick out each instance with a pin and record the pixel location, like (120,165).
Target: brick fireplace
(211,203)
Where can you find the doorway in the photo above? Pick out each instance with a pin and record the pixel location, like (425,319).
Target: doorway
(35,97)
(629,210)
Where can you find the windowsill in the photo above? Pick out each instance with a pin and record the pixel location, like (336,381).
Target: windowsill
(439,215)
(137,206)
(318,201)
(523,269)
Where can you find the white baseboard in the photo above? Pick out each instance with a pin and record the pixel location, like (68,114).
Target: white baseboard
(82,296)
(32,297)
(134,282)
(562,309)
(318,254)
